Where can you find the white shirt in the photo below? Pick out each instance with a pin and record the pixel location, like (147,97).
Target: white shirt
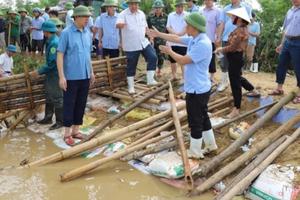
(69,20)
(178,24)
(98,26)
(6,63)
(134,32)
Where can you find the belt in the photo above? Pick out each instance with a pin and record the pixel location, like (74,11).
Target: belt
(292,37)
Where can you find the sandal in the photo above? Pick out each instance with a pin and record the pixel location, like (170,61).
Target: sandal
(253,94)
(69,140)
(296,100)
(78,135)
(277,92)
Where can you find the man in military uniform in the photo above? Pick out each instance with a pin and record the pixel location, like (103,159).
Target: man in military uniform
(25,30)
(158,19)
(54,95)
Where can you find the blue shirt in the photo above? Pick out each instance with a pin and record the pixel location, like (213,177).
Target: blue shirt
(111,35)
(76,46)
(196,77)
(45,16)
(194,8)
(37,34)
(253,28)
(229,27)
(292,22)
(51,52)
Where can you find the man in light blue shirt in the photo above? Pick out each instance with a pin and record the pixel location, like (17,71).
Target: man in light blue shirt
(75,71)
(197,83)
(254,31)
(109,34)
(192,7)
(226,28)
(37,34)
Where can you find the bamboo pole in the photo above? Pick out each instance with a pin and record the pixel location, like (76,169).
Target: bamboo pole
(242,185)
(235,164)
(100,140)
(217,101)
(250,167)
(124,112)
(187,168)
(216,161)
(229,100)
(93,165)
(219,112)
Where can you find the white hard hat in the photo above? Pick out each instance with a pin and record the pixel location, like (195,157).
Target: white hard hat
(241,13)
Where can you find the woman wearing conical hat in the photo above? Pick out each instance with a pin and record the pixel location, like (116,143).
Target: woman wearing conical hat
(237,43)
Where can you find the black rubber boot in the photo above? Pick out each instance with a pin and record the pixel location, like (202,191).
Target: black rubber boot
(49,111)
(59,119)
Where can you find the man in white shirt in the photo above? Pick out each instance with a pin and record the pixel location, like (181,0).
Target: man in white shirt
(176,25)
(133,25)
(6,61)
(69,20)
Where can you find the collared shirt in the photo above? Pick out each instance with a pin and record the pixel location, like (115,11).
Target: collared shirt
(134,32)
(194,8)
(229,27)
(237,40)
(110,34)
(212,16)
(292,22)
(177,23)
(196,77)
(37,34)
(51,52)
(76,46)
(69,20)
(6,62)
(253,28)
(25,24)
(15,26)
(45,16)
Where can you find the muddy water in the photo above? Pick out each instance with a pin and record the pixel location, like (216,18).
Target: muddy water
(116,180)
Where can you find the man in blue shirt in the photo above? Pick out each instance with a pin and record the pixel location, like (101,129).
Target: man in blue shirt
(225,29)
(109,34)
(75,71)
(54,95)
(37,34)
(192,7)
(197,83)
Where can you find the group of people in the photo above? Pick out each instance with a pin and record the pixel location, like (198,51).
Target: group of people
(190,38)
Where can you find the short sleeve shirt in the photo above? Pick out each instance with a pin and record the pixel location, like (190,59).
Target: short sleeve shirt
(196,76)
(229,26)
(253,28)
(212,17)
(177,23)
(6,62)
(76,46)
(111,36)
(37,34)
(69,20)
(292,22)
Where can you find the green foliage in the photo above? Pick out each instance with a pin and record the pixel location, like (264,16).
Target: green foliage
(271,19)
(33,62)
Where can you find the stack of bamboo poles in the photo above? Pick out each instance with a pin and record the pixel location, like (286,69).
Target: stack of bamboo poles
(23,91)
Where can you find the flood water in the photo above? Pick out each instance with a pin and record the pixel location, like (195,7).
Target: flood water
(116,180)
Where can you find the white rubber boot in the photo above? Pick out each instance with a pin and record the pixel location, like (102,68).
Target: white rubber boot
(195,150)
(224,82)
(130,81)
(209,141)
(150,78)
(251,67)
(255,67)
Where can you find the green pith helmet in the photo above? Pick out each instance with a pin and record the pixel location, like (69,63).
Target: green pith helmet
(110,3)
(133,1)
(12,12)
(158,4)
(81,11)
(197,21)
(49,26)
(91,9)
(57,21)
(69,6)
(22,10)
(180,2)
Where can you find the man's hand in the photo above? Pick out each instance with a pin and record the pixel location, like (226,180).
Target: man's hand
(92,80)
(153,33)
(63,83)
(165,49)
(279,48)
(100,45)
(218,50)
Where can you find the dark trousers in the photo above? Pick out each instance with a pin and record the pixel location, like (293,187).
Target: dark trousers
(112,53)
(25,42)
(37,45)
(236,62)
(133,58)
(54,94)
(212,65)
(198,119)
(160,56)
(290,53)
(75,101)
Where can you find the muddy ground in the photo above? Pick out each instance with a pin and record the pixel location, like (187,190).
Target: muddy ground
(116,180)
